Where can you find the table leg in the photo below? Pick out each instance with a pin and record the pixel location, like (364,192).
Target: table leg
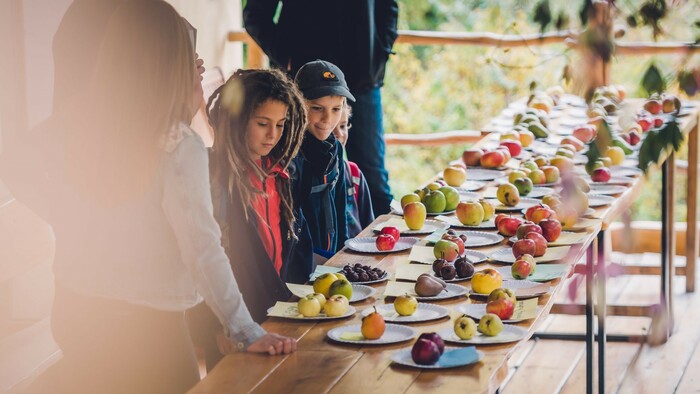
(691,233)
(601,308)
(668,244)
(590,329)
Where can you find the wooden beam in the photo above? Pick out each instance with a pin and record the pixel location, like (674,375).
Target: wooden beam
(434,139)
(418,37)
(655,48)
(611,310)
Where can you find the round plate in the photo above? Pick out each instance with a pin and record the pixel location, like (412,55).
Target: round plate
(454,222)
(470,186)
(476,311)
(361,292)
(539,192)
(400,212)
(429,227)
(580,159)
(512,239)
(451,291)
(599,200)
(543,273)
(509,334)
(403,357)
(483,174)
(475,257)
(524,203)
(367,245)
(369,282)
(517,284)
(453,280)
(475,239)
(625,171)
(425,312)
(505,255)
(322,316)
(614,180)
(393,333)
(606,189)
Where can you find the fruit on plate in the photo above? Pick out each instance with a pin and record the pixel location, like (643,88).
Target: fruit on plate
(435,338)
(437,265)
(489,209)
(470,213)
(503,308)
(309,306)
(601,174)
(321,299)
(539,212)
(464,268)
(373,325)
(508,195)
(451,197)
(405,305)
(454,176)
(537,177)
(362,273)
(472,157)
(385,242)
(429,286)
(524,186)
(507,225)
(616,154)
(323,283)
(457,240)
(414,215)
(391,230)
(567,216)
(409,198)
(465,327)
(540,244)
(551,229)
(445,249)
(521,269)
(551,174)
(493,159)
(448,271)
(425,352)
(435,201)
(486,281)
(337,305)
(530,259)
(490,325)
(524,246)
(342,287)
(527,227)
(514,147)
(526,138)
(515,174)
(501,293)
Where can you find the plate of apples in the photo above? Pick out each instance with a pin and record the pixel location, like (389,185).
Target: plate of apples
(384,243)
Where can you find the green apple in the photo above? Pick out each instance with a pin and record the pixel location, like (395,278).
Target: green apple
(530,164)
(323,283)
(490,325)
(515,174)
(309,306)
(489,209)
(406,305)
(432,186)
(444,249)
(435,201)
(409,198)
(451,197)
(470,213)
(341,286)
(524,186)
(465,328)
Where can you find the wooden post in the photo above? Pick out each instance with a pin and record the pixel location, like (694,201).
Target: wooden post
(595,69)
(691,233)
(256,56)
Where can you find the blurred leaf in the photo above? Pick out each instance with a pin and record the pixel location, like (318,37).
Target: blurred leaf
(600,144)
(632,21)
(566,73)
(687,82)
(651,13)
(542,15)
(562,21)
(585,11)
(653,81)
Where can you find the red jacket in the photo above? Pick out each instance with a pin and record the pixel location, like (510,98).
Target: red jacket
(267,209)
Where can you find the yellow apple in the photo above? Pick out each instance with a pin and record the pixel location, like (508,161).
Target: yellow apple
(454,176)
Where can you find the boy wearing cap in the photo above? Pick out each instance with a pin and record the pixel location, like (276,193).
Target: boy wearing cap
(318,169)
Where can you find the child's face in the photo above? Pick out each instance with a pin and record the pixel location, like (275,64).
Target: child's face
(265,128)
(324,115)
(341,131)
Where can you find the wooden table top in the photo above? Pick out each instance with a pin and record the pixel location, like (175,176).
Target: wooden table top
(320,365)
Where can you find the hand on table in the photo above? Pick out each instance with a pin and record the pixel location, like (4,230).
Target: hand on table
(270,343)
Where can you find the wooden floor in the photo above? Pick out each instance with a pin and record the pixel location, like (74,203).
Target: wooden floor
(554,366)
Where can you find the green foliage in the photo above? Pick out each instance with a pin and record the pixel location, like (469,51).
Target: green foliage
(657,143)
(653,81)
(542,15)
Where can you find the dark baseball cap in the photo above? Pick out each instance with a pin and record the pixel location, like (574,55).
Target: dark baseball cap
(320,78)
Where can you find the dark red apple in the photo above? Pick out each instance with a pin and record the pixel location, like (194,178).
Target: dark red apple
(425,352)
(385,242)
(527,227)
(601,174)
(551,229)
(523,246)
(514,147)
(540,243)
(472,157)
(634,137)
(658,122)
(435,338)
(653,106)
(508,226)
(393,231)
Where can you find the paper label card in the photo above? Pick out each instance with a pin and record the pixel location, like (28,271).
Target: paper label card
(407,271)
(285,309)
(525,309)
(395,289)
(322,269)
(422,254)
(300,291)
(393,222)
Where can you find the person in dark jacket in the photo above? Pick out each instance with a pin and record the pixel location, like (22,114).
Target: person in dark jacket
(321,174)
(359,201)
(355,35)
(259,121)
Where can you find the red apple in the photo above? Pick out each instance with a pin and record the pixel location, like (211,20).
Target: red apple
(425,352)
(493,159)
(654,107)
(523,246)
(472,157)
(445,249)
(634,137)
(601,174)
(456,240)
(500,217)
(540,244)
(585,133)
(502,308)
(539,212)
(658,122)
(435,338)
(508,226)
(527,227)
(575,142)
(521,269)
(393,231)
(506,153)
(551,229)
(385,242)
(515,147)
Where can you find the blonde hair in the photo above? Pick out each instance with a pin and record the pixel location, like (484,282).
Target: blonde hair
(230,108)
(142,87)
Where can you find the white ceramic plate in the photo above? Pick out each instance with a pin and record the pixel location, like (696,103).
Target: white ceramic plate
(543,272)
(425,312)
(322,316)
(509,334)
(475,239)
(505,255)
(454,222)
(403,357)
(430,226)
(522,289)
(369,282)
(470,186)
(451,291)
(539,192)
(606,189)
(399,211)
(599,200)
(625,171)
(361,292)
(614,180)
(393,333)
(524,203)
(483,174)
(367,245)
(476,311)
(561,241)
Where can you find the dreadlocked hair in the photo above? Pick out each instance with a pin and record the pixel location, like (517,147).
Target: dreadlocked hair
(230,108)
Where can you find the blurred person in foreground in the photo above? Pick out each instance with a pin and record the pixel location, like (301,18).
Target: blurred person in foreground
(137,243)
